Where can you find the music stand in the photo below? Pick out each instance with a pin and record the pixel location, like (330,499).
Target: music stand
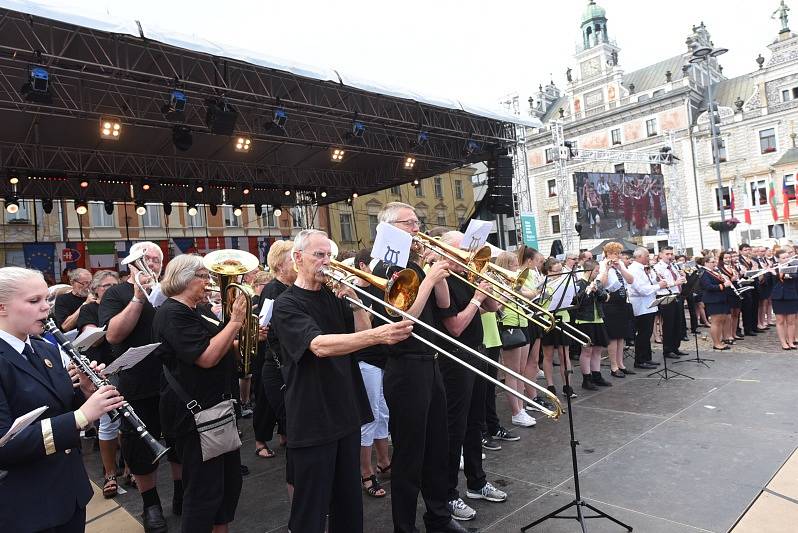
(577,502)
(665,372)
(690,286)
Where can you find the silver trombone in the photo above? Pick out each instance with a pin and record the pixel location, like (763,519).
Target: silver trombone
(342,277)
(137,260)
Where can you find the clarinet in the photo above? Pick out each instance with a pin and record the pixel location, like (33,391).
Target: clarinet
(127,413)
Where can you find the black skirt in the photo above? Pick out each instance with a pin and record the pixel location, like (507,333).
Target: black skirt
(785,307)
(555,338)
(617,320)
(596,332)
(717,308)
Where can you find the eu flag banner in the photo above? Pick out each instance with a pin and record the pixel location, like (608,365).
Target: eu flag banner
(41,257)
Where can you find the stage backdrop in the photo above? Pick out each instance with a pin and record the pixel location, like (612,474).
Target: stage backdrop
(620,205)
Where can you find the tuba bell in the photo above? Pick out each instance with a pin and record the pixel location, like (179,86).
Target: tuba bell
(226,267)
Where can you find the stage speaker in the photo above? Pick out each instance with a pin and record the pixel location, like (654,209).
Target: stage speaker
(500,185)
(220,117)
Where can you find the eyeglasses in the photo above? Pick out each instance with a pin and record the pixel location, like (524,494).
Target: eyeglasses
(106,285)
(410,222)
(202,276)
(319,255)
(82,283)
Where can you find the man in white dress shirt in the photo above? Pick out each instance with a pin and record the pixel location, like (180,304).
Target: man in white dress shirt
(671,321)
(642,293)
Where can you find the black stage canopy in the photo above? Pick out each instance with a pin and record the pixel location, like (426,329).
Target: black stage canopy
(50,139)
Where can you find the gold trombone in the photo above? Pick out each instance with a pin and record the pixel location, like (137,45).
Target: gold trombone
(475,264)
(400,291)
(337,275)
(225,267)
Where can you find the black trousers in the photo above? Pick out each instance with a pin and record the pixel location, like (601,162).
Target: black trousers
(327,480)
(76,524)
(270,403)
(465,404)
(135,451)
(691,308)
(671,325)
(644,327)
(750,311)
(491,425)
(416,399)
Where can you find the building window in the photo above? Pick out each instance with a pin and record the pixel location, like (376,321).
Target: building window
(373,221)
(759,193)
(458,189)
(438,181)
(420,190)
(726,192)
(616,136)
(99,218)
(396,191)
(721,150)
(550,155)
(750,235)
(776,231)
(788,186)
(551,187)
(422,223)
(651,127)
(152,218)
(346,226)
(555,223)
(441,221)
(620,168)
(230,220)
(767,140)
(656,168)
(267,218)
(198,220)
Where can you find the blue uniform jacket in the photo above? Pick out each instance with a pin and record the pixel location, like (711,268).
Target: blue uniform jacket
(713,292)
(786,288)
(46,480)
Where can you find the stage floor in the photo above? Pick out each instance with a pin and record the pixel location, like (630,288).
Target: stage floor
(676,456)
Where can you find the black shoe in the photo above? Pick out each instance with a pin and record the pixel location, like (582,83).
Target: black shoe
(750,334)
(617,373)
(679,352)
(685,338)
(451,527)
(671,355)
(760,330)
(489,444)
(153,519)
(599,380)
(646,365)
(503,434)
(587,382)
(567,390)
(244,470)
(628,372)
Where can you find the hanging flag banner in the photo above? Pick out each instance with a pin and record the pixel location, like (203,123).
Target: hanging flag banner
(102,254)
(41,257)
(529,230)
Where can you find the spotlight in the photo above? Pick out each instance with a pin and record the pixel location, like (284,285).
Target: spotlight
(13,180)
(213,208)
(323,193)
(410,162)
(174,110)
(423,138)
(258,209)
(220,116)
(277,212)
(84,184)
(81,207)
(470,147)
(109,206)
(181,137)
(12,205)
(145,185)
(237,210)
(37,88)
(200,188)
(287,192)
(167,208)
(280,117)
(192,210)
(110,128)
(358,129)
(141,209)
(338,155)
(354,194)
(416,182)
(47,205)
(243,144)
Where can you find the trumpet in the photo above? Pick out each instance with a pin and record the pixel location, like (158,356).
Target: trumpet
(225,266)
(137,260)
(475,264)
(337,276)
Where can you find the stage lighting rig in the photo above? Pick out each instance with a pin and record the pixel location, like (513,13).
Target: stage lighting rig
(277,212)
(237,211)
(37,88)
(47,205)
(470,147)
(109,206)
(410,162)
(12,205)
(141,209)
(220,116)
(175,109)
(167,208)
(81,207)
(243,144)
(182,138)
(192,210)
(337,155)
(358,129)
(110,128)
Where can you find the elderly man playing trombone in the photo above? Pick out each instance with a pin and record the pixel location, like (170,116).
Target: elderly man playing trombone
(325,399)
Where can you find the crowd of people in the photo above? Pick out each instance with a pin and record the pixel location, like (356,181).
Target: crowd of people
(334,382)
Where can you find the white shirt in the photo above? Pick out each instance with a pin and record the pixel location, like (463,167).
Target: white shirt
(643,290)
(15,343)
(668,272)
(615,280)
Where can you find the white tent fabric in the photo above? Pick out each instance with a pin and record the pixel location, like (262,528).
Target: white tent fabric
(78,15)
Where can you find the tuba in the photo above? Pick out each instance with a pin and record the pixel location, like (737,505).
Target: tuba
(226,266)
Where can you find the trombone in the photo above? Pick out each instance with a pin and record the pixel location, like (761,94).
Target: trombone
(475,264)
(225,266)
(400,291)
(341,276)
(137,260)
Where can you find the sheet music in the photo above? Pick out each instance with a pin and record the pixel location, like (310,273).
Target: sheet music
(72,334)
(130,358)
(563,294)
(21,423)
(266,311)
(88,338)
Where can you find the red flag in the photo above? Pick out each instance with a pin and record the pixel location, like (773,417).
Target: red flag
(747,216)
(731,206)
(772,201)
(786,206)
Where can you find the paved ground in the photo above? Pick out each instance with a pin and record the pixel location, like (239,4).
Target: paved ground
(663,456)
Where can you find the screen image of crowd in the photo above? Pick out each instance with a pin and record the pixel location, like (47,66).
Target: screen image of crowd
(615,205)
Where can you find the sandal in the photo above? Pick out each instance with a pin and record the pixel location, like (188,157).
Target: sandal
(129,480)
(110,487)
(384,470)
(374,490)
(269,452)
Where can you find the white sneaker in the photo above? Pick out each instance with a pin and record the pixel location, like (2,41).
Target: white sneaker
(488,492)
(541,374)
(524,420)
(460,510)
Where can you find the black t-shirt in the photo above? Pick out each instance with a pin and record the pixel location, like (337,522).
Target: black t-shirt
(410,345)
(184,334)
(271,347)
(325,399)
(460,294)
(376,355)
(142,380)
(89,314)
(65,305)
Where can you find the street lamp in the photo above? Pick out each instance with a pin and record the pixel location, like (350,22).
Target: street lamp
(702,54)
